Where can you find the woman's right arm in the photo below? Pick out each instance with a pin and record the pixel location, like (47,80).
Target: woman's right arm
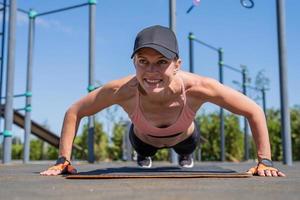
(92,103)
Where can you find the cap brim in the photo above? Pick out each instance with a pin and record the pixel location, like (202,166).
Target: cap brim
(162,50)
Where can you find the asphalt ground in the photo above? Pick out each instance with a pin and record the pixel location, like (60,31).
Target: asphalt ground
(22,181)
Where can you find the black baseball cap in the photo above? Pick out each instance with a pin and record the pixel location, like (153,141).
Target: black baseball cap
(159,38)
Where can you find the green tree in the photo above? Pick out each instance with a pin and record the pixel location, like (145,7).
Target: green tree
(234,138)
(295,132)
(100,143)
(36,149)
(210,129)
(17,148)
(273,123)
(115,148)
(162,155)
(52,153)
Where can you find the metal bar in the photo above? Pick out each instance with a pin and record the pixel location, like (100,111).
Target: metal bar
(190,9)
(222,134)
(263,94)
(191,53)
(284,104)
(205,44)
(18,9)
(172,26)
(246,129)
(126,145)
(232,68)
(172,15)
(8,114)
(61,9)
(22,10)
(16,96)
(27,126)
(2,49)
(91,119)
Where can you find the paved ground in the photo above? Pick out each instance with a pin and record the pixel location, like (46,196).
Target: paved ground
(18,181)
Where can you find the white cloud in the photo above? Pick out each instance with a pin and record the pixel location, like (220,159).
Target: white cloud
(22,20)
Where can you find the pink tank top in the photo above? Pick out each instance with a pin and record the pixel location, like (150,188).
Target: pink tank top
(182,124)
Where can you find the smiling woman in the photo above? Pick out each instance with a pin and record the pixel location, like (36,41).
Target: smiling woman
(161,101)
(153,70)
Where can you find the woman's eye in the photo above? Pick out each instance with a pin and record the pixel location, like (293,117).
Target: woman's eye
(142,61)
(162,62)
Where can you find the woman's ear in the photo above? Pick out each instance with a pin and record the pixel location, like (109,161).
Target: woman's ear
(178,64)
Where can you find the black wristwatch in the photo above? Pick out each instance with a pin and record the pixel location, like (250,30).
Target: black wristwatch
(62,160)
(266,162)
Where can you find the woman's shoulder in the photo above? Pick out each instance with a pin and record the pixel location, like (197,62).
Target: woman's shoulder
(124,88)
(197,85)
(191,80)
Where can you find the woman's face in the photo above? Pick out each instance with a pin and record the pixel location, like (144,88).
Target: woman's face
(154,71)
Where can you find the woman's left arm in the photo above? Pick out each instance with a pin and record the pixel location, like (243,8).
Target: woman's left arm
(238,103)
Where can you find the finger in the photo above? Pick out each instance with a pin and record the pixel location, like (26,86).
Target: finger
(42,173)
(261,173)
(45,173)
(51,172)
(251,170)
(267,173)
(281,174)
(274,173)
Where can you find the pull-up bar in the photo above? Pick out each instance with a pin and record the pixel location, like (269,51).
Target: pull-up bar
(233,68)
(220,52)
(221,64)
(62,9)
(18,9)
(92,16)
(32,14)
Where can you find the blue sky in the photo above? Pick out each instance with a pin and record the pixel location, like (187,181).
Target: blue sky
(60,75)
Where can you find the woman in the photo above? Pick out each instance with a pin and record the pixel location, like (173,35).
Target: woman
(162,100)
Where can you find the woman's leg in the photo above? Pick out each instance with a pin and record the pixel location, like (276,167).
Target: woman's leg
(189,145)
(142,148)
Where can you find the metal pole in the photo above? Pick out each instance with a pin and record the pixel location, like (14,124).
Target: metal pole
(2,58)
(172,26)
(126,145)
(263,94)
(27,126)
(284,104)
(191,52)
(172,15)
(8,114)
(246,140)
(220,53)
(92,18)
(3,48)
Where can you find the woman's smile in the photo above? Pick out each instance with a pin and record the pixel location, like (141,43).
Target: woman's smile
(152,83)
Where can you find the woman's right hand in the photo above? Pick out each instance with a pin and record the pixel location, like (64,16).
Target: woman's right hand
(60,168)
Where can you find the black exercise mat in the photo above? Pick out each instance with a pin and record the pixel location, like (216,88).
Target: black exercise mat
(159,172)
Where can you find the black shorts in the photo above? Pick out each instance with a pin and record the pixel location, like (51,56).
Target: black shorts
(184,147)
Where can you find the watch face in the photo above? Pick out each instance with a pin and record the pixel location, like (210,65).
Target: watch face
(61,160)
(267,162)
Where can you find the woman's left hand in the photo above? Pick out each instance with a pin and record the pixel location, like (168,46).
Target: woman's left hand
(263,170)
